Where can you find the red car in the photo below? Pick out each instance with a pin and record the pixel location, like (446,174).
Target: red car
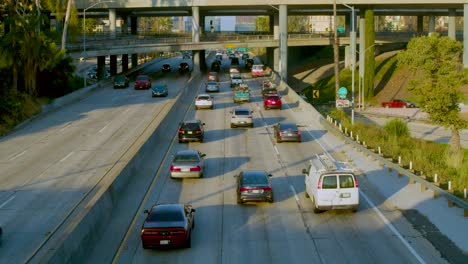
(272,101)
(142,82)
(168,225)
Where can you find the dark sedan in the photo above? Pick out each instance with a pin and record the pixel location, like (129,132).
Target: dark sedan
(184,68)
(191,130)
(168,225)
(254,186)
(159,90)
(166,68)
(121,81)
(285,131)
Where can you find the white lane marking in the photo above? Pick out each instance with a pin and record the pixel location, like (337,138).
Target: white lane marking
(7,201)
(294,191)
(65,127)
(392,228)
(276,150)
(104,128)
(17,155)
(66,157)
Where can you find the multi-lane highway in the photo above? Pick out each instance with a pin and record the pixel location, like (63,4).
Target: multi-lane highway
(51,164)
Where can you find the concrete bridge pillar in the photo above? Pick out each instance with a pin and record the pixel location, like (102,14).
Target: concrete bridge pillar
(420,26)
(124,62)
(203,65)
(134,60)
(113,65)
(431,24)
(101,67)
(196,61)
(465,33)
(452,33)
(112,22)
(276,36)
(347,23)
(283,27)
(133,25)
(124,24)
(269,57)
(195,24)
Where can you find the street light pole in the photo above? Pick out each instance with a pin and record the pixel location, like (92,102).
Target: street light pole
(353,57)
(84,33)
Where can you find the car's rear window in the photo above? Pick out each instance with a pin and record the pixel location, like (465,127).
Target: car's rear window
(203,97)
(191,126)
(166,216)
(273,98)
(186,157)
(241,112)
(346,181)
(329,182)
(120,78)
(288,127)
(254,180)
(142,78)
(257,68)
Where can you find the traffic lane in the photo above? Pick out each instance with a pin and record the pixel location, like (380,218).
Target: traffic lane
(353,222)
(76,158)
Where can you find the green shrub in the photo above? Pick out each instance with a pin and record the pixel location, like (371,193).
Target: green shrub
(396,128)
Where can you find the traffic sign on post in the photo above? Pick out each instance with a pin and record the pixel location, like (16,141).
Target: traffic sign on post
(315,93)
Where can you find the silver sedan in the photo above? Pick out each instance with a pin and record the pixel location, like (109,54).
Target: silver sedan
(187,163)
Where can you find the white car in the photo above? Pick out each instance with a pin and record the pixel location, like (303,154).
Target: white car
(204,101)
(241,116)
(212,87)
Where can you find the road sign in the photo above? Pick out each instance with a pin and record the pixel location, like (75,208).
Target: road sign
(229,45)
(342,92)
(315,93)
(340,103)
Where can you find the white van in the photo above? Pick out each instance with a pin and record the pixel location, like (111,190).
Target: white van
(330,184)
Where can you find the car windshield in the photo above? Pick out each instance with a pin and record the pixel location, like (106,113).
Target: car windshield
(236,76)
(142,78)
(254,179)
(166,216)
(241,112)
(120,78)
(186,157)
(158,87)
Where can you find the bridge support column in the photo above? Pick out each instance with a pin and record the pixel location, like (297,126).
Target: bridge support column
(452,24)
(133,26)
(465,33)
(283,27)
(348,56)
(124,24)
(124,62)
(431,24)
(134,60)
(101,67)
(113,65)
(276,36)
(196,61)
(347,24)
(112,22)
(420,26)
(269,57)
(203,65)
(195,24)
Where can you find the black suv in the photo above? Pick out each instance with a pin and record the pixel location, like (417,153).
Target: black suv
(191,130)
(184,67)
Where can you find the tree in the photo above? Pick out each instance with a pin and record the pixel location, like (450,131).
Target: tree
(369,54)
(297,23)
(262,24)
(436,65)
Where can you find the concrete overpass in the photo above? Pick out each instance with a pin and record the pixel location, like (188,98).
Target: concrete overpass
(277,10)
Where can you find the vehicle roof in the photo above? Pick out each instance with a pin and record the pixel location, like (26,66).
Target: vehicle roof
(287,124)
(191,121)
(168,207)
(253,172)
(212,83)
(204,94)
(242,109)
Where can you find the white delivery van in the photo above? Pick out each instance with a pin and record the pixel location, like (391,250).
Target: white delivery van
(331,184)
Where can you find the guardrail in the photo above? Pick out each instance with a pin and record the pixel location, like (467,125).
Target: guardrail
(376,154)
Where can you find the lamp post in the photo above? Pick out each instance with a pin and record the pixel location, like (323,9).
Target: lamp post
(353,57)
(84,33)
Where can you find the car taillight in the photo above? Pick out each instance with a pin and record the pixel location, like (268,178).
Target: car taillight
(356,184)
(281,133)
(146,232)
(174,168)
(198,131)
(244,189)
(319,185)
(178,232)
(181,131)
(267,189)
(249,116)
(197,168)
(298,133)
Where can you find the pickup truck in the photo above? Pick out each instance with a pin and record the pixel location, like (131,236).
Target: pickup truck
(241,94)
(398,103)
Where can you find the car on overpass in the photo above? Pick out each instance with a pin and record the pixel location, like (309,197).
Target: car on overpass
(184,68)
(166,68)
(168,225)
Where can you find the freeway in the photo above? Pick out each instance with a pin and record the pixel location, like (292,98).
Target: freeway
(58,159)
(286,231)
(53,162)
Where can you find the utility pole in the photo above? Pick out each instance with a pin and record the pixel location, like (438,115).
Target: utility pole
(336,52)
